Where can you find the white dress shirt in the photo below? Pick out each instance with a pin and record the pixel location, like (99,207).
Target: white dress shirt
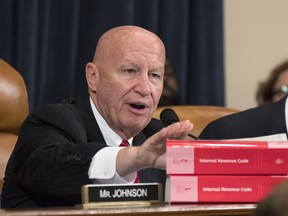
(103,166)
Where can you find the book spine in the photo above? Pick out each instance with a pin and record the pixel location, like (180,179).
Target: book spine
(226,189)
(202,160)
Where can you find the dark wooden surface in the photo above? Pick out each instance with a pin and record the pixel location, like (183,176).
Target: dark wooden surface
(167,210)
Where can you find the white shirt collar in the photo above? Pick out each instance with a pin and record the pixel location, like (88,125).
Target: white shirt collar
(111,138)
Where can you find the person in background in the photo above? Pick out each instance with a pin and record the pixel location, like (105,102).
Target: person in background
(266,120)
(275,87)
(275,203)
(170,94)
(64,146)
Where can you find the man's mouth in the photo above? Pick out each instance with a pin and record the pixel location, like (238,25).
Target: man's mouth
(137,106)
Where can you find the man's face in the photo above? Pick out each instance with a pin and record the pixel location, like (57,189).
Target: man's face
(130,85)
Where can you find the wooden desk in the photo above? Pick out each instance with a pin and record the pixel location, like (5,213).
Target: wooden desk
(174,210)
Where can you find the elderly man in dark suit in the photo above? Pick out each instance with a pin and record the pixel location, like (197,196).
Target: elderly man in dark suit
(257,122)
(64,146)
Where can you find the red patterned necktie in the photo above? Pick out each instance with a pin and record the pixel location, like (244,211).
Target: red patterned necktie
(125,143)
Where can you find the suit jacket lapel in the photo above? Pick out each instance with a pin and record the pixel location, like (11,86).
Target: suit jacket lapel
(93,131)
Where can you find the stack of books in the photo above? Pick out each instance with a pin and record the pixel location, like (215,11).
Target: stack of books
(224,171)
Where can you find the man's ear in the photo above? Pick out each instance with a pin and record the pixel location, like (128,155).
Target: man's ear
(92,76)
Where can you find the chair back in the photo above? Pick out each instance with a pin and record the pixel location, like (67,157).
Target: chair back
(13,111)
(200,116)
(13,100)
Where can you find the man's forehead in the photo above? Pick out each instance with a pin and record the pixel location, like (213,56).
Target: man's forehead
(129,39)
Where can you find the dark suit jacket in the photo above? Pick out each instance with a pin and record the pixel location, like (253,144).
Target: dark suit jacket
(260,121)
(51,159)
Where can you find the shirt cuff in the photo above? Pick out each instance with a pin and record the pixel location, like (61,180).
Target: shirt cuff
(103,168)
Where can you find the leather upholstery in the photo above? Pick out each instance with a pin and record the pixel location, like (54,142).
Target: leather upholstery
(200,116)
(13,100)
(13,111)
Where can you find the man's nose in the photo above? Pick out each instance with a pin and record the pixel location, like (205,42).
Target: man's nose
(143,85)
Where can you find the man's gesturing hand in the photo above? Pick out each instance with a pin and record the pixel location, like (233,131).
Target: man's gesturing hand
(152,153)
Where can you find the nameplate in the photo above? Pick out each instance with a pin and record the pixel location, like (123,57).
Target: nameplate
(93,193)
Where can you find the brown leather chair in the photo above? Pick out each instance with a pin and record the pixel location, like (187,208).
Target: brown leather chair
(13,111)
(200,116)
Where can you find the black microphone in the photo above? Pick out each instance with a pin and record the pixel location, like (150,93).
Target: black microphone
(153,127)
(168,116)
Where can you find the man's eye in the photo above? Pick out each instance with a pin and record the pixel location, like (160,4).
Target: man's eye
(129,71)
(155,75)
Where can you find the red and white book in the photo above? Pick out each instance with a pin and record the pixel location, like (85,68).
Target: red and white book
(227,157)
(216,188)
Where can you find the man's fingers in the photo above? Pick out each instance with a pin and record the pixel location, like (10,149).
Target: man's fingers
(179,130)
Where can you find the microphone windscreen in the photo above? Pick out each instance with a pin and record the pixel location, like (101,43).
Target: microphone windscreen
(168,116)
(153,127)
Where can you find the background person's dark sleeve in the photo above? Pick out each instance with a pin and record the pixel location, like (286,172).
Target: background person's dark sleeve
(255,122)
